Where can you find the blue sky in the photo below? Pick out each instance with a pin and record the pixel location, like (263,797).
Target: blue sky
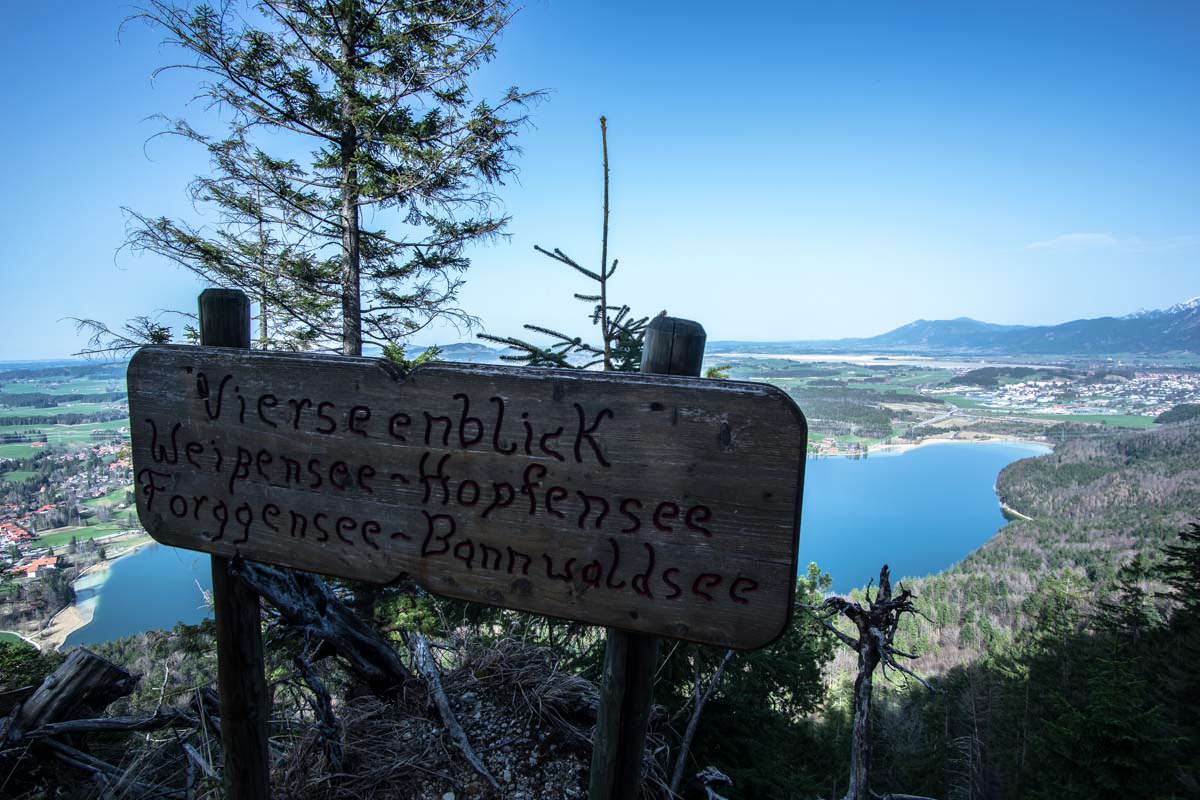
(779,171)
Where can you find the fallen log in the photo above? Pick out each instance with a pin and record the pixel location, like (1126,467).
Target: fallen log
(83,685)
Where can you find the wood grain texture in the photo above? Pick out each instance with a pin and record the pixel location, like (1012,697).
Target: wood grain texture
(655,504)
(241,674)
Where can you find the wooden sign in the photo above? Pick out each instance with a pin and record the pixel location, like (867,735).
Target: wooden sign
(663,505)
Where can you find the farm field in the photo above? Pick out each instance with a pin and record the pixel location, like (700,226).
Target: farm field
(54,411)
(17,475)
(62,536)
(113,498)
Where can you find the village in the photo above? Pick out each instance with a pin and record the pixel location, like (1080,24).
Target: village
(1141,393)
(71,511)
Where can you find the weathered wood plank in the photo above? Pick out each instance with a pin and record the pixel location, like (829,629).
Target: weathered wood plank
(656,504)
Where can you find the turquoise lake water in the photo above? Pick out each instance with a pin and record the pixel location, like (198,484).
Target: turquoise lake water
(919,511)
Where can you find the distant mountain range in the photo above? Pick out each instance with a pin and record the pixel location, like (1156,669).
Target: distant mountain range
(1170,330)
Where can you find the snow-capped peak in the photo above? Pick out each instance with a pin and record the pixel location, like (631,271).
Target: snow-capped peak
(1178,308)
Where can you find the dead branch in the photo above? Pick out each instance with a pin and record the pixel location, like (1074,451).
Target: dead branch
(429,670)
(307,604)
(694,721)
(153,722)
(328,726)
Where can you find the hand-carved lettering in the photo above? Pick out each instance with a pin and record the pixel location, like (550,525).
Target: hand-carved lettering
(507,450)
(152,482)
(291,470)
(356,419)
(502,497)
(365,472)
(314,469)
(464,422)
(264,402)
(158,451)
(241,470)
(202,391)
(343,526)
(328,423)
(547,449)
(641,581)
(370,529)
(298,407)
(592,573)
(244,516)
(464,551)
(587,507)
(193,449)
(178,510)
(513,555)
(464,497)
(269,512)
(431,534)
(553,495)
(198,502)
(706,580)
(263,459)
(220,513)
(616,562)
(585,432)
(695,515)
(430,419)
(529,483)
(528,433)
(635,522)
(666,576)
(739,586)
(665,510)
(484,552)
(396,422)
(322,534)
(303,525)
(339,475)
(568,573)
(439,477)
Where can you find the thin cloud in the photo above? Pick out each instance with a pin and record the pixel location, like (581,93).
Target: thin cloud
(1080,242)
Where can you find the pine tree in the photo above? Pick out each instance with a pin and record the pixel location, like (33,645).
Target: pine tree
(376,92)
(621,333)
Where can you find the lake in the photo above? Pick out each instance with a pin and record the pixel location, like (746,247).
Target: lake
(919,511)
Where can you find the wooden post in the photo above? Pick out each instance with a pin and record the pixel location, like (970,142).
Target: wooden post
(245,705)
(672,347)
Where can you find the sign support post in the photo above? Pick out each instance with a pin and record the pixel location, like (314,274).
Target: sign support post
(241,680)
(672,347)
(656,505)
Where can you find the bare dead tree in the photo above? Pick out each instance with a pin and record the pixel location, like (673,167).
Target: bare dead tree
(877,624)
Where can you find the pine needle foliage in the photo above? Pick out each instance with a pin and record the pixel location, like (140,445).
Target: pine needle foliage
(375,93)
(621,333)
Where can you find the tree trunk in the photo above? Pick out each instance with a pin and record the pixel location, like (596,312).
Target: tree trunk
(860,736)
(351,272)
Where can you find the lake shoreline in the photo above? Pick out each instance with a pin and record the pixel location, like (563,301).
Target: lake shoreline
(980,438)
(75,616)
(896,449)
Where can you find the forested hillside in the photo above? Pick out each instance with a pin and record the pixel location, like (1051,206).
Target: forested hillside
(1100,500)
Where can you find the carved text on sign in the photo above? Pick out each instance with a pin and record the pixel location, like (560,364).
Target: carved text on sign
(663,505)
